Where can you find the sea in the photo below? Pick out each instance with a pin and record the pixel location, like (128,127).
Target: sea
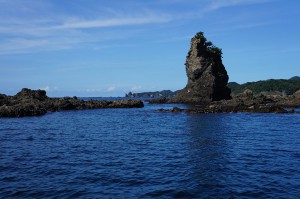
(144,153)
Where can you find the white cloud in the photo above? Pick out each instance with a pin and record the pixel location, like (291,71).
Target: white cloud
(218,4)
(93,90)
(24,30)
(111,88)
(135,88)
(49,89)
(136,20)
(42,26)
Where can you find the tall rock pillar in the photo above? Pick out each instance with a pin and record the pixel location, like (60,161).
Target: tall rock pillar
(207,76)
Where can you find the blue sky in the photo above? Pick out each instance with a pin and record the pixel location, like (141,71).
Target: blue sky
(108,48)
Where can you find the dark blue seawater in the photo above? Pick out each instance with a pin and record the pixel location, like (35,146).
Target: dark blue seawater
(143,153)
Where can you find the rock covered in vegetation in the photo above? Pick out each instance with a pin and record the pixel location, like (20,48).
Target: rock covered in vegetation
(207,76)
(275,86)
(35,102)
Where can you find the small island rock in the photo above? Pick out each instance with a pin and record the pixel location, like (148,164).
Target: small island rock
(207,76)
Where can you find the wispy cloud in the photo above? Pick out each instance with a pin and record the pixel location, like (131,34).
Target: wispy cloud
(111,88)
(138,20)
(26,30)
(218,4)
(23,29)
(136,88)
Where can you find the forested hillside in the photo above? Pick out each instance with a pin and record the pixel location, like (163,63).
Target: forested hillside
(289,86)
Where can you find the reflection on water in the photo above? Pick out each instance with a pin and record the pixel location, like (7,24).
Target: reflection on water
(207,153)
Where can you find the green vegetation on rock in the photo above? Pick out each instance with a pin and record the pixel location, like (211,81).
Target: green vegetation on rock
(288,86)
(212,49)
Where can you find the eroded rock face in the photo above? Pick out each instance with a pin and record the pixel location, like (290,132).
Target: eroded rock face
(207,76)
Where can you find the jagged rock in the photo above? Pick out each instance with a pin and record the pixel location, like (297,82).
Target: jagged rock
(35,102)
(126,104)
(21,110)
(26,93)
(3,99)
(207,76)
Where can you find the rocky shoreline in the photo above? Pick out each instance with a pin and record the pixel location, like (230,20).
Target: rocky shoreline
(244,102)
(35,103)
(231,109)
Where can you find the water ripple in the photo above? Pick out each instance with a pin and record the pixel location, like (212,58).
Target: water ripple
(142,153)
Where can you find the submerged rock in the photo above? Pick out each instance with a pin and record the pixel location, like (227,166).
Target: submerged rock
(35,102)
(207,76)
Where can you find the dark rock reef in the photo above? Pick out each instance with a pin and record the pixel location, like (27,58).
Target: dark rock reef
(207,76)
(246,102)
(35,102)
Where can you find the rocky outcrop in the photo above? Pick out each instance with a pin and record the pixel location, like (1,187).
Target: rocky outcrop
(164,93)
(230,109)
(297,94)
(246,102)
(35,102)
(28,94)
(160,100)
(207,76)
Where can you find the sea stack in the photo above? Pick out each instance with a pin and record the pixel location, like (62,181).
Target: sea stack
(207,76)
